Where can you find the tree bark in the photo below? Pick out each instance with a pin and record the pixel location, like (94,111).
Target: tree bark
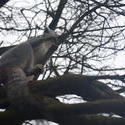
(102,99)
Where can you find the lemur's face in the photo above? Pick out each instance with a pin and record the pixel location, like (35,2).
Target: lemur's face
(48,33)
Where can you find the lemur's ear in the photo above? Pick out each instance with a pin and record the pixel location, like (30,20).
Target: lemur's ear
(47,29)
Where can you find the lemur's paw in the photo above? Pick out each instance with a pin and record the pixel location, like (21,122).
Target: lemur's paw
(38,69)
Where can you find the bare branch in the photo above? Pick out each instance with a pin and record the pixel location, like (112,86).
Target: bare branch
(3,2)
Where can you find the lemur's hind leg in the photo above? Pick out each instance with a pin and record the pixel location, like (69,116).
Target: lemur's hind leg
(18,92)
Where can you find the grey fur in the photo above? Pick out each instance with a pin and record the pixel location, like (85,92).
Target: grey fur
(19,62)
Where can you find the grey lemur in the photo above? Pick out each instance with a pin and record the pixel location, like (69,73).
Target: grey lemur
(21,61)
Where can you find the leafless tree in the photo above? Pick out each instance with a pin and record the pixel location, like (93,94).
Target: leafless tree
(91,33)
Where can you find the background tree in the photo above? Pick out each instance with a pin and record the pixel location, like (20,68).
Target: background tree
(91,34)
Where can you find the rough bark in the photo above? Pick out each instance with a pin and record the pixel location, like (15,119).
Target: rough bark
(105,101)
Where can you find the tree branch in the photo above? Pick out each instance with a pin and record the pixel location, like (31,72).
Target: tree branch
(83,86)
(57,16)
(80,85)
(116,106)
(45,92)
(91,120)
(3,2)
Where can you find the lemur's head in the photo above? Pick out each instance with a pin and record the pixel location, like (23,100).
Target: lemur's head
(49,33)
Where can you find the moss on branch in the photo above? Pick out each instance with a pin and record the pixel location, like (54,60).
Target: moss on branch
(102,99)
(80,85)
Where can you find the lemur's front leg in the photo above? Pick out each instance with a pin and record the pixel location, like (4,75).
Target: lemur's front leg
(38,69)
(35,72)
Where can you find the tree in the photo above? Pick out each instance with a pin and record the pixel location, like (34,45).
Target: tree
(90,34)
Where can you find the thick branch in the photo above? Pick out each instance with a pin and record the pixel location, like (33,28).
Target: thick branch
(53,110)
(80,85)
(91,120)
(116,106)
(66,114)
(10,118)
(63,113)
